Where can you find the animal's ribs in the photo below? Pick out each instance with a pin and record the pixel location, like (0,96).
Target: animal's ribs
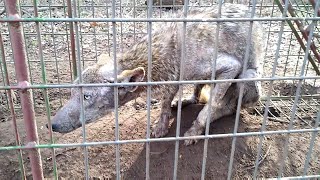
(304,30)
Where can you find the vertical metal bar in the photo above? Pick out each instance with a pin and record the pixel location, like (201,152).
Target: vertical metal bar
(265,115)
(312,142)
(79,68)
(12,110)
(72,42)
(246,58)
(149,29)
(55,54)
(2,71)
(298,91)
(268,37)
(180,91)
(121,27)
(27,56)
(313,3)
(21,68)
(160,8)
(77,12)
(108,31)
(213,76)
(68,45)
(288,51)
(116,98)
(94,31)
(45,93)
(261,6)
(134,23)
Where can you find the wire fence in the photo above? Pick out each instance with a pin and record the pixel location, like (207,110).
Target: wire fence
(46,45)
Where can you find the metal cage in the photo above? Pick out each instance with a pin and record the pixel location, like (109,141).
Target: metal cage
(45,45)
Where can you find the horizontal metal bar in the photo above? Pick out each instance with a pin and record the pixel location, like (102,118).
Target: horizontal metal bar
(86,34)
(38,86)
(94,60)
(164,139)
(15,19)
(297,177)
(275,98)
(96,34)
(144,6)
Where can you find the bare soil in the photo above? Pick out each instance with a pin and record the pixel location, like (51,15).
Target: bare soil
(102,162)
(133,118)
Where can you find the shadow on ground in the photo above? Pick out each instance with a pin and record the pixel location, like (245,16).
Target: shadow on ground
(190,158)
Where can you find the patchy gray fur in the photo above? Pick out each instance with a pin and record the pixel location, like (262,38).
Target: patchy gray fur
(166,57)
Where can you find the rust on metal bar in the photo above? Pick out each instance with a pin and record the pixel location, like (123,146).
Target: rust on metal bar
(304,33)
(21,69)
(72,42)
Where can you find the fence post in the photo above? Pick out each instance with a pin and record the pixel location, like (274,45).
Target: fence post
(21,69)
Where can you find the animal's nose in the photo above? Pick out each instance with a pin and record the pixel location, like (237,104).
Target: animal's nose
(54,127)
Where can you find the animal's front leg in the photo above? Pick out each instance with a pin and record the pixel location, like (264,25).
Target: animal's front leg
(160,128)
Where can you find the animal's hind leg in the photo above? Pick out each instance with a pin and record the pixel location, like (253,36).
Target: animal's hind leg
(223,98)
(194,99)
(228,106)
(251,95)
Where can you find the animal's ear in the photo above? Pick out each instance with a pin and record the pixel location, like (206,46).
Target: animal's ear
(103,59)
(134,75)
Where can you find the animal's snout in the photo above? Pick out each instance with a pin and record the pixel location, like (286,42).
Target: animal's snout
(54,127)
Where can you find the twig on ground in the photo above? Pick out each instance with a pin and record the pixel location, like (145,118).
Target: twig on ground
(62,153)
(261,160)
(277,120)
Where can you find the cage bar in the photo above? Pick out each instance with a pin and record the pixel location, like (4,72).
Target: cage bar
(213,75)
(246,59)
(45,92)
(72,41)
(165,139)
(12,110)
(286,59)
(25,94)
(297,99)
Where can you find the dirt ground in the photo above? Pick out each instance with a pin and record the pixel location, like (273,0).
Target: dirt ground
(70,161)
(133,120)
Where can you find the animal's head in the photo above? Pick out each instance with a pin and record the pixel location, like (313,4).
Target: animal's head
(98,101)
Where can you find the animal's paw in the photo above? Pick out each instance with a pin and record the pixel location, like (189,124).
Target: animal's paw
(190,141)
(192,132)
(159,130)
(184,102)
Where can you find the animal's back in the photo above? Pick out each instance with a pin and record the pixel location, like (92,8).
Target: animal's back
(201,36)
(167,44)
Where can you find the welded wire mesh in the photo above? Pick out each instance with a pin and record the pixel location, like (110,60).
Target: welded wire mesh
(64,37)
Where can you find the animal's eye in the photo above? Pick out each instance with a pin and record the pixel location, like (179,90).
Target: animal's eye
(86,96)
